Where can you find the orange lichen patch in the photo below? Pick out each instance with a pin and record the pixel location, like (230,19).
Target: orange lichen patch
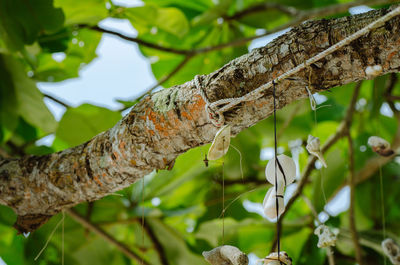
(389,58)
(168,123)
(133,162)
(186,115)
(257,104)
(122,145)
(196,106)
(122,149)
(98,181)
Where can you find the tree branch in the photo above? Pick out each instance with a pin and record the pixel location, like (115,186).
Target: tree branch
(163,79)
(100,232)
(156,242)
(56,100)
(170,122)
(341,132)
(261,7)
(352,221)
(301,17)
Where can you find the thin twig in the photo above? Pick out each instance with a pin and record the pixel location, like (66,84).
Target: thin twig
(311,162)
(120,246)
(388,94)
(302,16)
(163,79)
(372,165)
(137,40)
(157,244)
(352,221)
(261,7)
(229,103)
(56,100)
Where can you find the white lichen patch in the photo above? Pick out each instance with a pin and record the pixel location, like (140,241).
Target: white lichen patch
(373,71)
(164,100)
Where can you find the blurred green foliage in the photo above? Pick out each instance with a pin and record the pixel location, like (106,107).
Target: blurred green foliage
(183,206)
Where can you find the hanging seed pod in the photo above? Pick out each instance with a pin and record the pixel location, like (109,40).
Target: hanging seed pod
(373,71)
(314,148)
(326,238)
(288,167)
(391,250)
(380,146)
(273,259)
(226,254)
(220,145)
(269,203)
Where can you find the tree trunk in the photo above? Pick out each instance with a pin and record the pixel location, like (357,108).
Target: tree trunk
(172,121)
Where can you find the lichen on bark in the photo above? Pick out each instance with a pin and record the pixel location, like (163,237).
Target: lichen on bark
(168,123)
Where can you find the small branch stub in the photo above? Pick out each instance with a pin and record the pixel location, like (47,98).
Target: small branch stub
(226,255)
(380,146)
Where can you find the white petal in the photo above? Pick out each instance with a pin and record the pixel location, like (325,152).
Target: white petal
(288,166)
(269,203)
(220,145)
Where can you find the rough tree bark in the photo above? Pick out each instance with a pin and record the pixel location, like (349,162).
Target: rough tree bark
(168,123)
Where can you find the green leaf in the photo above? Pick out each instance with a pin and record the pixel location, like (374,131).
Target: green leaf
(213,13)
(84,122)
(268,19)
(22,21)
(83,12)
(30,100)
(81,50)
(8,102)
(57,42)
(310,254)
(176,249)
(331,177)
(11,246)
(151,17)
